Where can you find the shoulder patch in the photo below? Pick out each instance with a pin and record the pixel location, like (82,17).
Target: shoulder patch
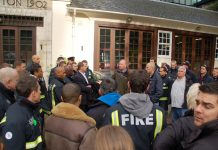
(8,135)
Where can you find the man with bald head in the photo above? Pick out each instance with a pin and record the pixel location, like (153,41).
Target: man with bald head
(120,76)
(56,85)
(35,60)
(8,82)
(155,89)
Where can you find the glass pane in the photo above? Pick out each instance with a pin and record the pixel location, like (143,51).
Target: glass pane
(133,51)
(178,48)
(8,46)
(26,45)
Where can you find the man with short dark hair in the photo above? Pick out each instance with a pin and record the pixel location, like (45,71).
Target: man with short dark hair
(136,113)
(52,72)
(22,129)
(173,70)
(198,132)
(189,72)
(167,83)
(108,98)
(204,77)
(20,66)
(81,79)
(215,73)
(69,127)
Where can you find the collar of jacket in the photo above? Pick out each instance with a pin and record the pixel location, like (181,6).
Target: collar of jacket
(70,111)
(203,131)
(27,102)
(7,93)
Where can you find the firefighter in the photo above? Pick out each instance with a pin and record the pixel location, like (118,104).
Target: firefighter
(135,112)
(22,129)
(167,83)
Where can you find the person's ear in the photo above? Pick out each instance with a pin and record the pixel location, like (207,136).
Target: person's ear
(79,101)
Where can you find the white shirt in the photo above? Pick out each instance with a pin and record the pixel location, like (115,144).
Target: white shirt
(84,75)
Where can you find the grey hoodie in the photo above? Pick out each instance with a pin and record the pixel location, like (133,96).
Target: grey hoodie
(138,104)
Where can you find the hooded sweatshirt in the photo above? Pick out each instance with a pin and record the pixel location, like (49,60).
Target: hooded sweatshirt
(137,104)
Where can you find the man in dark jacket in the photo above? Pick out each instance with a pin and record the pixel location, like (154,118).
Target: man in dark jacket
(173,70)
(22,129)
(81,79)
(120,77)
(136,113)
(215,74)
(167,83)
(8,81)
(204,77)
(35,60)
(107,99)
(189,72)
(198,132)
(52,72)
(55,88)
(155,89)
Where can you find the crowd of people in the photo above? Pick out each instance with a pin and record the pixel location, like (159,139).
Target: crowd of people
(167,107)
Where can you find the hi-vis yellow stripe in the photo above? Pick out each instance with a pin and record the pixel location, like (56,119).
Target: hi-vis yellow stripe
(53,99)
(33,144)
(159,122)
(163,98)
(42,96)
(3,120)
(115,118)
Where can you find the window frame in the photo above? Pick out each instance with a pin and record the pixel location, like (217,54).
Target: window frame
(216,49)
(164,43)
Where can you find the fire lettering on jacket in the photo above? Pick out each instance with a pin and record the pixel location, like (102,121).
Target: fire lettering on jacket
(136,121)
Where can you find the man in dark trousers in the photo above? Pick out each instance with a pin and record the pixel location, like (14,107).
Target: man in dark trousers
(22,129)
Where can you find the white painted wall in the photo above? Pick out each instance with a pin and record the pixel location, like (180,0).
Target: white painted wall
(83,40)
(62,44)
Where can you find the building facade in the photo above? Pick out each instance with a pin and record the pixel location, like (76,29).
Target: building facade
(103,32)
(25,29)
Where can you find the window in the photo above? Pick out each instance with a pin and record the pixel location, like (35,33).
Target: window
(216,53)
(25,44)
(9,46)
(164,43)
(188,49)
(18,43)
(178,49)
(105,48)
(146,51)
(119,45)
(133,49)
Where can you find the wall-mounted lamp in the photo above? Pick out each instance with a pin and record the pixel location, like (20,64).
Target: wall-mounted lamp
(129,19)
(41,46)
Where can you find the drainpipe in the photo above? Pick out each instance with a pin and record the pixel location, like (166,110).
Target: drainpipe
(73,28)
